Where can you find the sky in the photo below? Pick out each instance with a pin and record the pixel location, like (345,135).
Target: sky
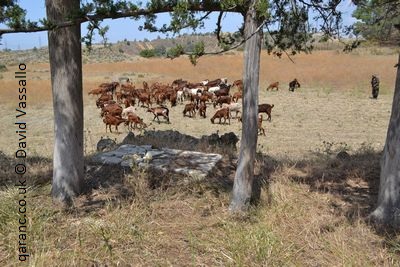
(121,29)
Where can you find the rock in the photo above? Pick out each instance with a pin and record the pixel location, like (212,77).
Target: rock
(343,155)
(186,141)
(129,138)
(192,163)
(229,139)
(212,139)
(106,144)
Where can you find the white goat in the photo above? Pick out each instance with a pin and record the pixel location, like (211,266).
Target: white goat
(129,110)
(213,89)
(233,107)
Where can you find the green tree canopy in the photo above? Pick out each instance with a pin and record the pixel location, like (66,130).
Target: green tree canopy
(379,21)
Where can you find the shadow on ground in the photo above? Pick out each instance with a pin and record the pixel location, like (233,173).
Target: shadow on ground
(353,178)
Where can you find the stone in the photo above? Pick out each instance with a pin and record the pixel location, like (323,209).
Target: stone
(343,156)
(105,144)
(129,138)
(192,163)
(229,139)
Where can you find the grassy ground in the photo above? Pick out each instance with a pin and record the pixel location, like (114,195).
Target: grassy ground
(313,207)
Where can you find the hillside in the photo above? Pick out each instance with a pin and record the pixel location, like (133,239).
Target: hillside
(129,50)
(121,51)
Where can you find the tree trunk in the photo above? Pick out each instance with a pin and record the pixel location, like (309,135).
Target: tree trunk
(66,81)
(388,210)
(242,188)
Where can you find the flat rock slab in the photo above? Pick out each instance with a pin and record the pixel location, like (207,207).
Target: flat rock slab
(167,160)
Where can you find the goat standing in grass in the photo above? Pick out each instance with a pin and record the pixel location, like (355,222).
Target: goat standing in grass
(202,109)
(111,120)
(294,85)
(273,85)
(160,111)
(221,113)
(267,109)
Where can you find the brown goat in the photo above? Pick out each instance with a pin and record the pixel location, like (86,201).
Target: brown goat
(273,85)
(222,99)
(97,91)
(112,109)
(172,98)
(221,113)
(236,96)
(103,100)
(159,111)
(267,108)
(239,84)
(145,99)
(202,109)
(135,120)
(111,120)
(191,108)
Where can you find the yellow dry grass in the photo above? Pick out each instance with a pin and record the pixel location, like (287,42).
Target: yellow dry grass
(312,209)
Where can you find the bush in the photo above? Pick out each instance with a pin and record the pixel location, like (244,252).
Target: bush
(160,51)
(147,53)
(3,68)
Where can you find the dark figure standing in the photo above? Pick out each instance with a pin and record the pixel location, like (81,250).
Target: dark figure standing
(375,86)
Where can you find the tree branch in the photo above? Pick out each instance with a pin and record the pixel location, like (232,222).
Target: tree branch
(284,49)
(233,47)
(134,13)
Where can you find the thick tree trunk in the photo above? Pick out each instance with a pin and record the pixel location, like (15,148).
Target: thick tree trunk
(66,81)
(242,188)
(388,210)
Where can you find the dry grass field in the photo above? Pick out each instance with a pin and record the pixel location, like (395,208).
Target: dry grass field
(313,207)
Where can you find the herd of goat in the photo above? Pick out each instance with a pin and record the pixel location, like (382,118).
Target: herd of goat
(195,97)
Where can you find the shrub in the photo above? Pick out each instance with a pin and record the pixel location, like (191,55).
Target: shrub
(3,68)
(147,53)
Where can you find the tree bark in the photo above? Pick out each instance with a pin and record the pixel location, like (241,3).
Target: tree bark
(66,81)
(243,183)
(388,210)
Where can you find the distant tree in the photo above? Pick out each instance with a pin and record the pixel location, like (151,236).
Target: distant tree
(160,50)
(147,53)
(376,22)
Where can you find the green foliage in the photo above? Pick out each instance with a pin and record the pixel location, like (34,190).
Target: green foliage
(197,52)
(176,51)
(292,33)
(3,68)
(379,21)
(147,53)
(158,51)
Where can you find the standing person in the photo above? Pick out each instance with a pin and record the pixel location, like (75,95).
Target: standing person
(375,86)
